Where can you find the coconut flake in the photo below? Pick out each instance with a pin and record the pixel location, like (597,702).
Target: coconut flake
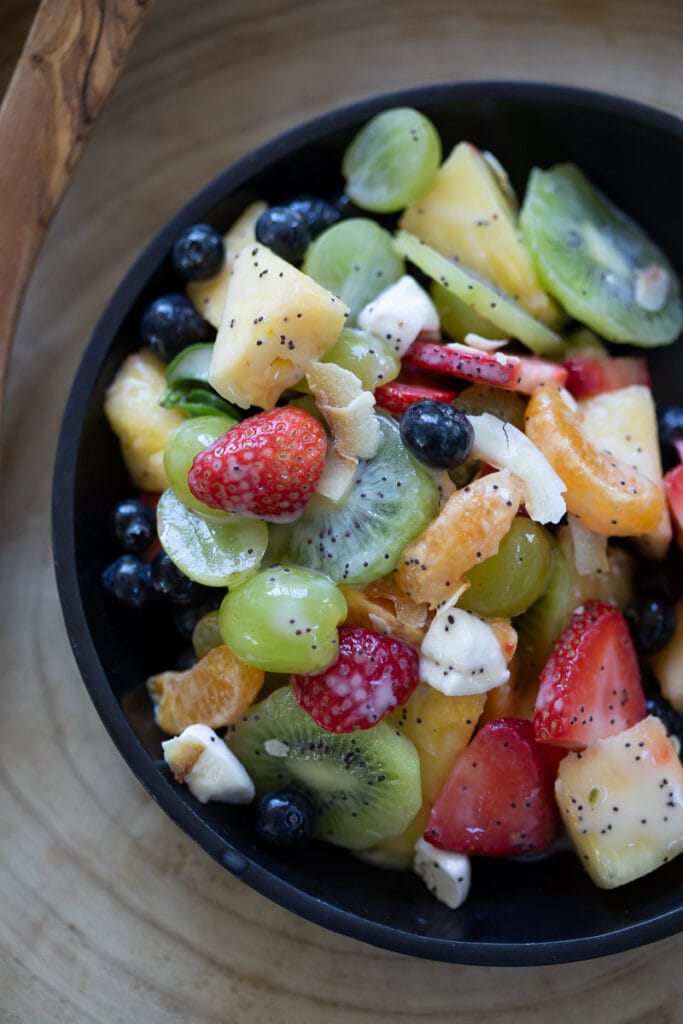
(485,344)
(590,549)
(399,314)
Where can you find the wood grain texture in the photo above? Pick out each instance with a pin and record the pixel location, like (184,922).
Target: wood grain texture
(108,913)
(68,67)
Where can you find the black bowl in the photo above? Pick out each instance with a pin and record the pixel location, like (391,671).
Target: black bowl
(517,913)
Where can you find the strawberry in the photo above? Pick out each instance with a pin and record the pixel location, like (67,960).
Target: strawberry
(399,395)
(373,674)
(590,687)
(517,373)
(594,375)
(267,467)
(498,799)
(673,488)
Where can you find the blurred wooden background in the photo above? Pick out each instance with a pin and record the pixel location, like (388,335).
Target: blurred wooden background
(109,914)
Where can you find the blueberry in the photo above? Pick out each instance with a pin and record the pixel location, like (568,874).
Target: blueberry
(285,232)
(652,622)
(171,323)
(345,206)
(199,253)
(285,819)
(127,581)
(317,213)
(202,600)
(168,581)
(670,423)
(658,705)
(437,434)
(133,525)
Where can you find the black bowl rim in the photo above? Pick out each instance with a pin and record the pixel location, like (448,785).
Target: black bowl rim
(63,526)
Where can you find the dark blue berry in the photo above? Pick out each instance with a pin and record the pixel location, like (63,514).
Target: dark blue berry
(345,206)
(127,581)
(659,706)
(437,434)
(202,600)
(670,423)
(652,622)
(133,525)
(285,232)
(285,819)
(199,253)
(171,323)
(168,581)
(317,213)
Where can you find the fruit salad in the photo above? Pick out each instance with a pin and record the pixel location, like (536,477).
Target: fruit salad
(416,516)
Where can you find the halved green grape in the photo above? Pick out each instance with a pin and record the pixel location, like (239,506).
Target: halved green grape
(206,634)
(597,262)
(354,259)
(284,619)
(540,626)
(372,359)
(218,554)
(391,160)
(190,364)
(486,300)
(510,581)
(365,785)
(191,438)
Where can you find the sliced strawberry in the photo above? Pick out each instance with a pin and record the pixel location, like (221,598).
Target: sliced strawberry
(673,488)
(372,676)
(590,687)
(517,373)
(399,395)
(594,375)
(267,466)
(498,800)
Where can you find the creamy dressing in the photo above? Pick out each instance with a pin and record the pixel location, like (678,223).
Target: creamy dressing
(216,774)
(399,314)
(447,875)
(460,655)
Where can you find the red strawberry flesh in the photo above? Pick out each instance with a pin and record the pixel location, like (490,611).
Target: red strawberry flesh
(399,395)
(673,488)
(498,799)
(267,467)
(516,373)
(590,687)
(594,376)
(372,676)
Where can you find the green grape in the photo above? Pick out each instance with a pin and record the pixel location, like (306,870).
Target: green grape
(354,259)
(457,318)
(191,438)
(371,358)
(392,159)
(509,582)
(218,554)
(284,620)
(206,634)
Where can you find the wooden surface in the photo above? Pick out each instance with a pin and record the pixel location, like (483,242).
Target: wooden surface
(107,912)
(71,60)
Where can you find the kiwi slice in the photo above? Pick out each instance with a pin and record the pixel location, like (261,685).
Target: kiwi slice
(540,626)
(360,538)
(597,262)
(484,298)
(365,785)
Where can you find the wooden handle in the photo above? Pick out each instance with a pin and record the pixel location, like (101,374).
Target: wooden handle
(71,60)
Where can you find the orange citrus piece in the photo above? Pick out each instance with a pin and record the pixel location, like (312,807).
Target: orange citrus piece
(213,692)
(606,494)
(380,606)
(467,530)
(514,699)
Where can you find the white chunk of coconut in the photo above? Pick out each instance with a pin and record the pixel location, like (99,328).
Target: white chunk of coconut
(399,314)
(460,654)
(447,875)
(338,474)
(505,447)
(212,772)
(485,344)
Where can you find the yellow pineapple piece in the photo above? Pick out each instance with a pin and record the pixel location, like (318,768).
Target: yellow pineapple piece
(397,851)
(277,321)
(214,692)
(208,297)
(466,215)
(467,530)
(668,664)
(624,422)
(616,586)
(142,426)
(514,699)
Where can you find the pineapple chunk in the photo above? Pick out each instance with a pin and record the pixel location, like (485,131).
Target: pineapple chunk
(208,297)
(276,321)
(624,422)
(142,426)
(668,664)
(466,215)
(622,803)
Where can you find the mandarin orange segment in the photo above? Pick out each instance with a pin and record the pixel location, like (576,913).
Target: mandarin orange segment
(607,495)
(514,699)
(467,530)
(214,692)
(506,635)
(383,608)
